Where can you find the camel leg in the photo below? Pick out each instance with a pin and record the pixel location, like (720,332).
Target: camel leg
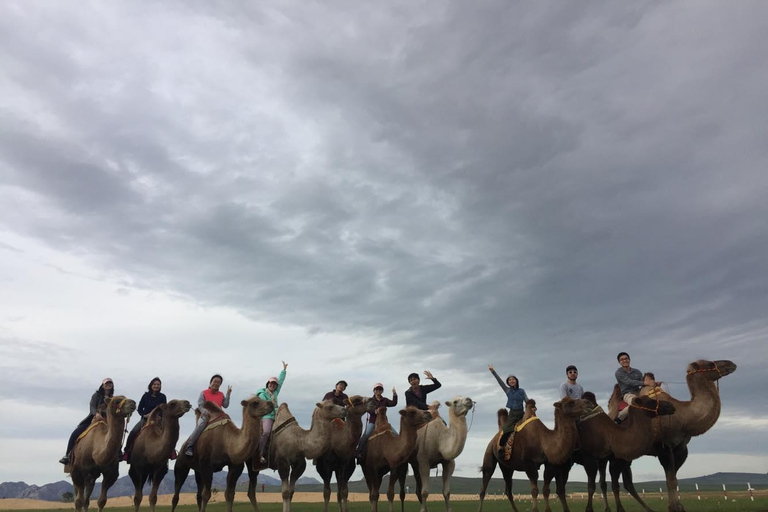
(671,460)
(488,467)
(157,479)
(549,474)
(615,471)
(401,480)
(373,492)
(561,479)
(342,481)
(533,477)
(629,484)
(90,482)
(325,472)
(506,473)
(78,483)
(180,473)
(253,477)
(423,485)
(109,479)
(235,470)
(204,484)
(604,484)
(448,469)
(138,480)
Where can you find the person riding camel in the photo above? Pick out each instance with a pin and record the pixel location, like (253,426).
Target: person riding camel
(516,400)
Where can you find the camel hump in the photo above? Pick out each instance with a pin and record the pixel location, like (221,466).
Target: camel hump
(501,417)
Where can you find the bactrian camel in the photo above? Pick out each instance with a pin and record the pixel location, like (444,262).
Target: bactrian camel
(436,444)
(533,445)
(385,451)
(97,453)
(222,444)
(292,445)
(691,418)
(152,448)
(339,459)
(600,439)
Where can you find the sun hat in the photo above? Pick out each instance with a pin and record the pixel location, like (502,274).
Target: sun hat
(106,380)
(273,379)
(378,385)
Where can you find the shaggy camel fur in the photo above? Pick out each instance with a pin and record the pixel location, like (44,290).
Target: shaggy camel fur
(222,445)
(153,446)
(339,459)
(386,451)
(600,439)
(97,453)
(533,445)
(291,446)
(436,444)
(691,418)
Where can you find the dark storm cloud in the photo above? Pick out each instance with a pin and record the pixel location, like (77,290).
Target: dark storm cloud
(528,185)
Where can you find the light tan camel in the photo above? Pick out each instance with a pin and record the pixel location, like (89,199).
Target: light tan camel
(152,448)
(436,444)
(386,451)
(339,459)
(292,445)
(221,444)
(691,418)
(601,439)
(533,445)
(97,453)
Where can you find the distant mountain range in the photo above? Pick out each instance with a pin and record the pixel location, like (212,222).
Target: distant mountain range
(459,485)
(124,487)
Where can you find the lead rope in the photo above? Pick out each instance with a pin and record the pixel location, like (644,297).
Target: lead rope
(473,417)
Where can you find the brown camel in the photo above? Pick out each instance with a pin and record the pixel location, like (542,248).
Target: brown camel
(533,445)
(691,418)
(291,446)
(97,453)
(339,459)
(386,451)
(152,447)
(600,439)
(436,444)
(221,444)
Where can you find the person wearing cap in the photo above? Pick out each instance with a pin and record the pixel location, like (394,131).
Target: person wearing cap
(149,401)
(98,405)
(212,394)
(269,393)
(570,387)
(416,395)
(337,396)
(381,401)
(516,400)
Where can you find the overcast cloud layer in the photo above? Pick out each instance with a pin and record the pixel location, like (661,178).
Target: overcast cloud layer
(189,188)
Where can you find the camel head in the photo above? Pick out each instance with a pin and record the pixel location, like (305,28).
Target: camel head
(573,408)
(361,404)
(120,406)
(256,407)
(176,408)
(460,405)
(710,370)
(328,410)
(415,416)
(653,407)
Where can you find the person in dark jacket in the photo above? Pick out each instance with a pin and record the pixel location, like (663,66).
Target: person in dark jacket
(98,405)
(381,401)
(516,400)
(151,399)
(417,394)
(337,396)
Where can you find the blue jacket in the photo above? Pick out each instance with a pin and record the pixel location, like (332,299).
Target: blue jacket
(149,402)
(516,398)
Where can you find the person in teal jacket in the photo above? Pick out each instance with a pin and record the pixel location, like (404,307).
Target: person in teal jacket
(269,393)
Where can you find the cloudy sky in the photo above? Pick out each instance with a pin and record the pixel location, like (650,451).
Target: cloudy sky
(190,188)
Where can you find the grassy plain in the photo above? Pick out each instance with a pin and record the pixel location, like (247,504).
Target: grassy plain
(710,502)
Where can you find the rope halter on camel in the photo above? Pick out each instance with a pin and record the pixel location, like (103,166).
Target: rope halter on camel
(704,370)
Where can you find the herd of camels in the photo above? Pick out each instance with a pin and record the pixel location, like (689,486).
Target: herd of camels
(658,425)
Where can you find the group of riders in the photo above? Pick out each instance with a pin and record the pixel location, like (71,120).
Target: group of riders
(629,379)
